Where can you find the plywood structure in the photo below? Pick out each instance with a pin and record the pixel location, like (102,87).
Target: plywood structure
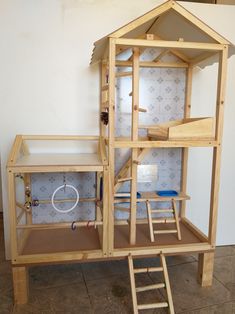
(174,30)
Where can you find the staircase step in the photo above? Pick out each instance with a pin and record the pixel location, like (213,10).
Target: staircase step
(165,231)
(147,270)
(163,220)
(150,287)
(152,306)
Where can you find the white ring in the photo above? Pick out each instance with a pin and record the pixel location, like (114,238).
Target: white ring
(59,188)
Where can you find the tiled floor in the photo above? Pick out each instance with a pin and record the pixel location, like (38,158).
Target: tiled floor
(104,287)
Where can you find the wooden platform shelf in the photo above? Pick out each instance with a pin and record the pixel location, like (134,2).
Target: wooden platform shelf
(185,129)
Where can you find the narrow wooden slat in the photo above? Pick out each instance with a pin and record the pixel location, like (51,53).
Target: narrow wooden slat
(124,209)
(152,306)
(162,210)
(150,223)
(133,287)
(123,74)
(124,179)
(167,282)
(163,220)
(142,110)
(148,270)
(165,231)
(176,219)
(150,287)
(151,64)
(134,137)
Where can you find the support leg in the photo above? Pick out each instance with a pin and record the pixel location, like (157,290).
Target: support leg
(20,284)
(205,268)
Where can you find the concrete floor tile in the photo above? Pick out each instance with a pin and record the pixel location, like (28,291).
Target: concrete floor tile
(6,304)
(99,270)
(55,275)
(225,308)
(188,294)
(226,250)
(224,271)
(113,294)
(6,288)
(65,299)
(179,259)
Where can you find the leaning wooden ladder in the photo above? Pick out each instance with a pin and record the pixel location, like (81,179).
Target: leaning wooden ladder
(134,290)
(163,220)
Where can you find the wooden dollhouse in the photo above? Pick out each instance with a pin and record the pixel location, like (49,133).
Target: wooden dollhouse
(170,29)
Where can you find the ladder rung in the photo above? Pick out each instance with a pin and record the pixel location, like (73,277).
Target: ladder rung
(150,287)
(121,74)
(123,209)
(152,306)
(124,179)
(105,87)
(163,220)
(122,195)
(147,270)
(165,231)
(162,210)
(142,109)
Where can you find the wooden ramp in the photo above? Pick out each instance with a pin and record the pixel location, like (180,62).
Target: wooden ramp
(165,285)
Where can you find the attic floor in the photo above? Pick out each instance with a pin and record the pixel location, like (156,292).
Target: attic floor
(103,287)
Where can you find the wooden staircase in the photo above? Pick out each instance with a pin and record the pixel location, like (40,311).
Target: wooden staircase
(165,285)
(163,220)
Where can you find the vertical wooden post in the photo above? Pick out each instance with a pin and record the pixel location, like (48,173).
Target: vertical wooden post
(106,198)
(134,137)
(20,284)
(12,214)
(184,163)
(103,94)
(111,134)
(205,269)
(27,185)
(217,150)
(206,260)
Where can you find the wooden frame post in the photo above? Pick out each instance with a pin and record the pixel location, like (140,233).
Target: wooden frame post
(111,146)
(103,94)
(12,214)
(184,162)
(134,137)
(206,260)
(20,283)
(205,268)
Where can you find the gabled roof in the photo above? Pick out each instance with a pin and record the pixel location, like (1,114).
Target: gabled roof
(168,21)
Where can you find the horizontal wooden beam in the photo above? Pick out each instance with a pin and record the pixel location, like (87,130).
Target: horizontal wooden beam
(60,137)
(55,168)
(152,144)
(151,64)
(168,44)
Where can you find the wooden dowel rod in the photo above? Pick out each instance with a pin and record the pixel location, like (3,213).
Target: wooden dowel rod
(68,200)
(61,225)
(123,74)
(124,179)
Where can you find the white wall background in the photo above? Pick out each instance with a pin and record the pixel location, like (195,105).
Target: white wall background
(47,86)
